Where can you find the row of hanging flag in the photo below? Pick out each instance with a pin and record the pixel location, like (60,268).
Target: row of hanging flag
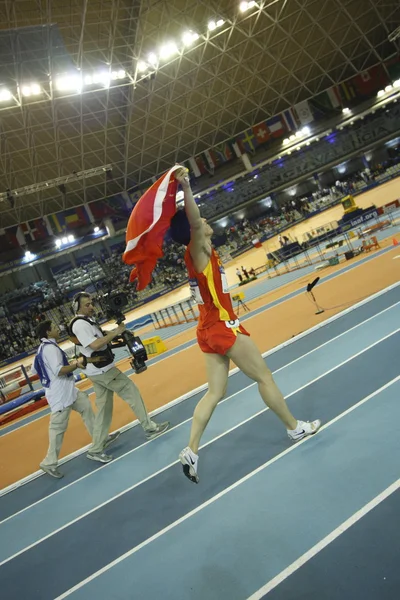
(331,101)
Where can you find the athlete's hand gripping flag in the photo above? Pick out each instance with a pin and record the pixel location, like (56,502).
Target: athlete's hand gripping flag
(147,226)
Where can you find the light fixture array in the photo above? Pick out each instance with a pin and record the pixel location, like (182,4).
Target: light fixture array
(64,241)
(171,49)
(65,84)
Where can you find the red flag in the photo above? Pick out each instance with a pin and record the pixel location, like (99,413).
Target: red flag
(147,225)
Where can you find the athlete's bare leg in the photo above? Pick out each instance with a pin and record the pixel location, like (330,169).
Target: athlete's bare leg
(217,376)
(245,354)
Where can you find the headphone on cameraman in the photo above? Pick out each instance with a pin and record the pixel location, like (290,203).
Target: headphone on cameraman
(76,300)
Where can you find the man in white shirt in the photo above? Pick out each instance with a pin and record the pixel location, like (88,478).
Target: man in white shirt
(55,374)
(106,377)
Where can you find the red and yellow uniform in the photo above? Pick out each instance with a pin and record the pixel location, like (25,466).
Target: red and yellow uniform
(218,324)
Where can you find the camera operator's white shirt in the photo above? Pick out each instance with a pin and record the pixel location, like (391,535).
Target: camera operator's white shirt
(86,334)
(61,392)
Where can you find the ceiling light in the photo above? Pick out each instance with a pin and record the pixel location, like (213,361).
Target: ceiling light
(152,59)
(69,83)
(299,134)
(388,88)
(212,25)
(306,130)
(168,50)
(58,243)
(103,77)
(141,67)
(292,138)
(5,95)
(381,93)
(220,22)
(96,229)
(31,90)
(64,240)
(189,37)
(88,80)
(71,238)
(114,75)
(243,6)
(121,74)
(346,111)
(396,83)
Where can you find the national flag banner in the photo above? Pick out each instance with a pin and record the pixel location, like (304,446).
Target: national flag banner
(334,97)
(247,141)
(74,218)
(90,214)
(48,225)
(276,126)
(347,91)
(304,113)
(237,148)
(13,238)
(211,158)
(393,67)
(261,133)
(224,152)
(193,167)
(290,119)
(110,207)
(147,225)
(369,82)
(35,230)
(55,224)
(326,103)
(201,164)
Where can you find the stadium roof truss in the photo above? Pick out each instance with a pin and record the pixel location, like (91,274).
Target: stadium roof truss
(142,99)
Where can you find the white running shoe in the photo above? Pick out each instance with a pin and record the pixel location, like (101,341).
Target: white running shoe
(189,462)
(303,429)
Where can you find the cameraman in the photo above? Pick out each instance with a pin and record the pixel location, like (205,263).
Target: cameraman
(106,379)
(55,373)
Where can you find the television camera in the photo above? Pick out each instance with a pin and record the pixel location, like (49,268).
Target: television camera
(114,302)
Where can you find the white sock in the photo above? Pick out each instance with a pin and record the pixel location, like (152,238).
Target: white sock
(299,426)
(192,454)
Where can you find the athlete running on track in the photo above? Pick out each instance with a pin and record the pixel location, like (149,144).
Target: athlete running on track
(220,335)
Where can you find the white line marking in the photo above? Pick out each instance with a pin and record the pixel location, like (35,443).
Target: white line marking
(129,426)
(284,298)
(219,495)
(337,337)
(300,562)
(176,461)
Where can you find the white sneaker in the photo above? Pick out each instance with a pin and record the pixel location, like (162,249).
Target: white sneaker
(189,462)
(303,429)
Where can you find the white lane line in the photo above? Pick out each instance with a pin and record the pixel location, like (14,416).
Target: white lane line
(125,491)
(201,388)
(219,495)
(109,465)
(302,560)
(232,372)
